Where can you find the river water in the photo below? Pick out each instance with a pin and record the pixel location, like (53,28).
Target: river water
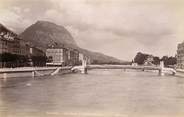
(100,93)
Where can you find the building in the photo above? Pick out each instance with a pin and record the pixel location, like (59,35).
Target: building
(56,56)
(35,51)
(180,56)
(15,51)
(9,46)
(73,57)
(60,55)
(9,41)
(24,48)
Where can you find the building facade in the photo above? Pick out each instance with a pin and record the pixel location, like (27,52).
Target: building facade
(74,57)
(24,48)
(15,51)
(55,56)
(9,41)
(180,56)
(62,56)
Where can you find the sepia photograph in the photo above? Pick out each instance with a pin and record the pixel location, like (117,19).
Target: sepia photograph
(91,58)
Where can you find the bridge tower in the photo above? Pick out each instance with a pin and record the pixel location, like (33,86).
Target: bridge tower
(161,71)
(84,65)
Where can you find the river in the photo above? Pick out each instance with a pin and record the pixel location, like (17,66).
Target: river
(100,93)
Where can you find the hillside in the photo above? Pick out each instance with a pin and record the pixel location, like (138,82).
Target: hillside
(44,33)
(100,58)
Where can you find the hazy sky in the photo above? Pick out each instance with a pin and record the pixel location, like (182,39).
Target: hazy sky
(119,28)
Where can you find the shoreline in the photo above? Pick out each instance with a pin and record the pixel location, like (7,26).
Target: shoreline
(43,71)
(32,71)
(180,73)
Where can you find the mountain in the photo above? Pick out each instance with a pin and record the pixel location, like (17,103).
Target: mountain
(44,33)
(99,58)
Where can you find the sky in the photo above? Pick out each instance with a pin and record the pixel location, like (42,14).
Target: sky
(119,28)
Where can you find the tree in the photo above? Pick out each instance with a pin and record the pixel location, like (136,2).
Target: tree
(156,60)
(172,60)
(140,58)
(169,60)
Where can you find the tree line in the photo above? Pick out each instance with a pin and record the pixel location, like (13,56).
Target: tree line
(140,59)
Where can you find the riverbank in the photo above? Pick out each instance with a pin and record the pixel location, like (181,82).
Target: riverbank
(179,73)
(32,71)
(42,71)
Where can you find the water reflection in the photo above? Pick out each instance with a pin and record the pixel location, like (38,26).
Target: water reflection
(99,93)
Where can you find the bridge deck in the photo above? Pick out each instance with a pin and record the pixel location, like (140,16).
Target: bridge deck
(123,67)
